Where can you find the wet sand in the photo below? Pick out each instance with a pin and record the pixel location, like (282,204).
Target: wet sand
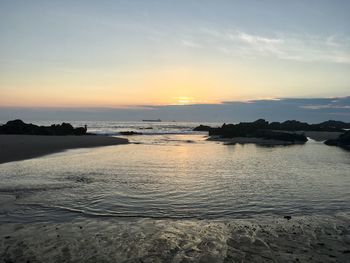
(301,239)
(20,147)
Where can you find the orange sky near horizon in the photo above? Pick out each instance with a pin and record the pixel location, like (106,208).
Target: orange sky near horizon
(156,86)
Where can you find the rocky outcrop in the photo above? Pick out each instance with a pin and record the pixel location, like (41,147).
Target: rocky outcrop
(19,127)
(257,129)
(334,125)
(280,136)
(343,141)
(292,125)
(234,130)
(243,129)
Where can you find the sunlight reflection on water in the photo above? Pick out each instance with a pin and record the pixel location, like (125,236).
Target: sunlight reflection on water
(177,179)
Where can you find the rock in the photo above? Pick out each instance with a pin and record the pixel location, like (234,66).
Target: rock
(130,133)
(19,127)
(287,217)
(247,129)
(334,125)
(202,128)
(343,141)
(281,136)
(293,125)
(257,129)
(243,129)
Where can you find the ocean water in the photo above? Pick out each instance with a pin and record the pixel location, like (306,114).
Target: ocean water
(171,172)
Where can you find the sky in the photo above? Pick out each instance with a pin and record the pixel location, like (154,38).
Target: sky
(127,54)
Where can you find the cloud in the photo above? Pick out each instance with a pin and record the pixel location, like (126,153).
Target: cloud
(258,40)
(295,47)
(335,103)
(304,109)
(190,44)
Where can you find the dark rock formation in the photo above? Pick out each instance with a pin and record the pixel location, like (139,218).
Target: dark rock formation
(19,127)
(202,128)
(257,129)
(234,130)
(130,133)
(280,136)
(334,125)
(330,126)
(243,129)
(343,141)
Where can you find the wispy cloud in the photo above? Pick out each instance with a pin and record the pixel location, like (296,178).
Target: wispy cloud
(258,40)
(333,48)
(295,47)
(190,44)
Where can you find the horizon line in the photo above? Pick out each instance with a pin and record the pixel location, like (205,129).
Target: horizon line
(151,106)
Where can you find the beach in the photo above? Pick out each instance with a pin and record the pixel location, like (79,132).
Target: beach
(174,131)
(20,147)
(171,195)
(300,239)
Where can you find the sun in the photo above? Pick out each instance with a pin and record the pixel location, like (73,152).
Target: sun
(184,100)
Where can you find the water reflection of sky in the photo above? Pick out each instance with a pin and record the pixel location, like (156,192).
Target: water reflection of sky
(177,176)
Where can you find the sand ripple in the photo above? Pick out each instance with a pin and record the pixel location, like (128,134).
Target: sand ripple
(301,239)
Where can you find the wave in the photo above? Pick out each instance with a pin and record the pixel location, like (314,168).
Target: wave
(143,132)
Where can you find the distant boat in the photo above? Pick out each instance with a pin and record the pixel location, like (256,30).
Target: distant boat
(158,120)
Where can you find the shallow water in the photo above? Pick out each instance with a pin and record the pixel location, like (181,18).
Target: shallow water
(177,176)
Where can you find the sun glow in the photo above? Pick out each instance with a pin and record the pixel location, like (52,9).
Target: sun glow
(184,100)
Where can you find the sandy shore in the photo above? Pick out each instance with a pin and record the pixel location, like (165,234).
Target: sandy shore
(301,239)
(20,147)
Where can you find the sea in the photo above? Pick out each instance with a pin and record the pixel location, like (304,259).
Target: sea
(171,175)
(170,171)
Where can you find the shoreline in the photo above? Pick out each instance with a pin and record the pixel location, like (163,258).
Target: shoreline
(22,147)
